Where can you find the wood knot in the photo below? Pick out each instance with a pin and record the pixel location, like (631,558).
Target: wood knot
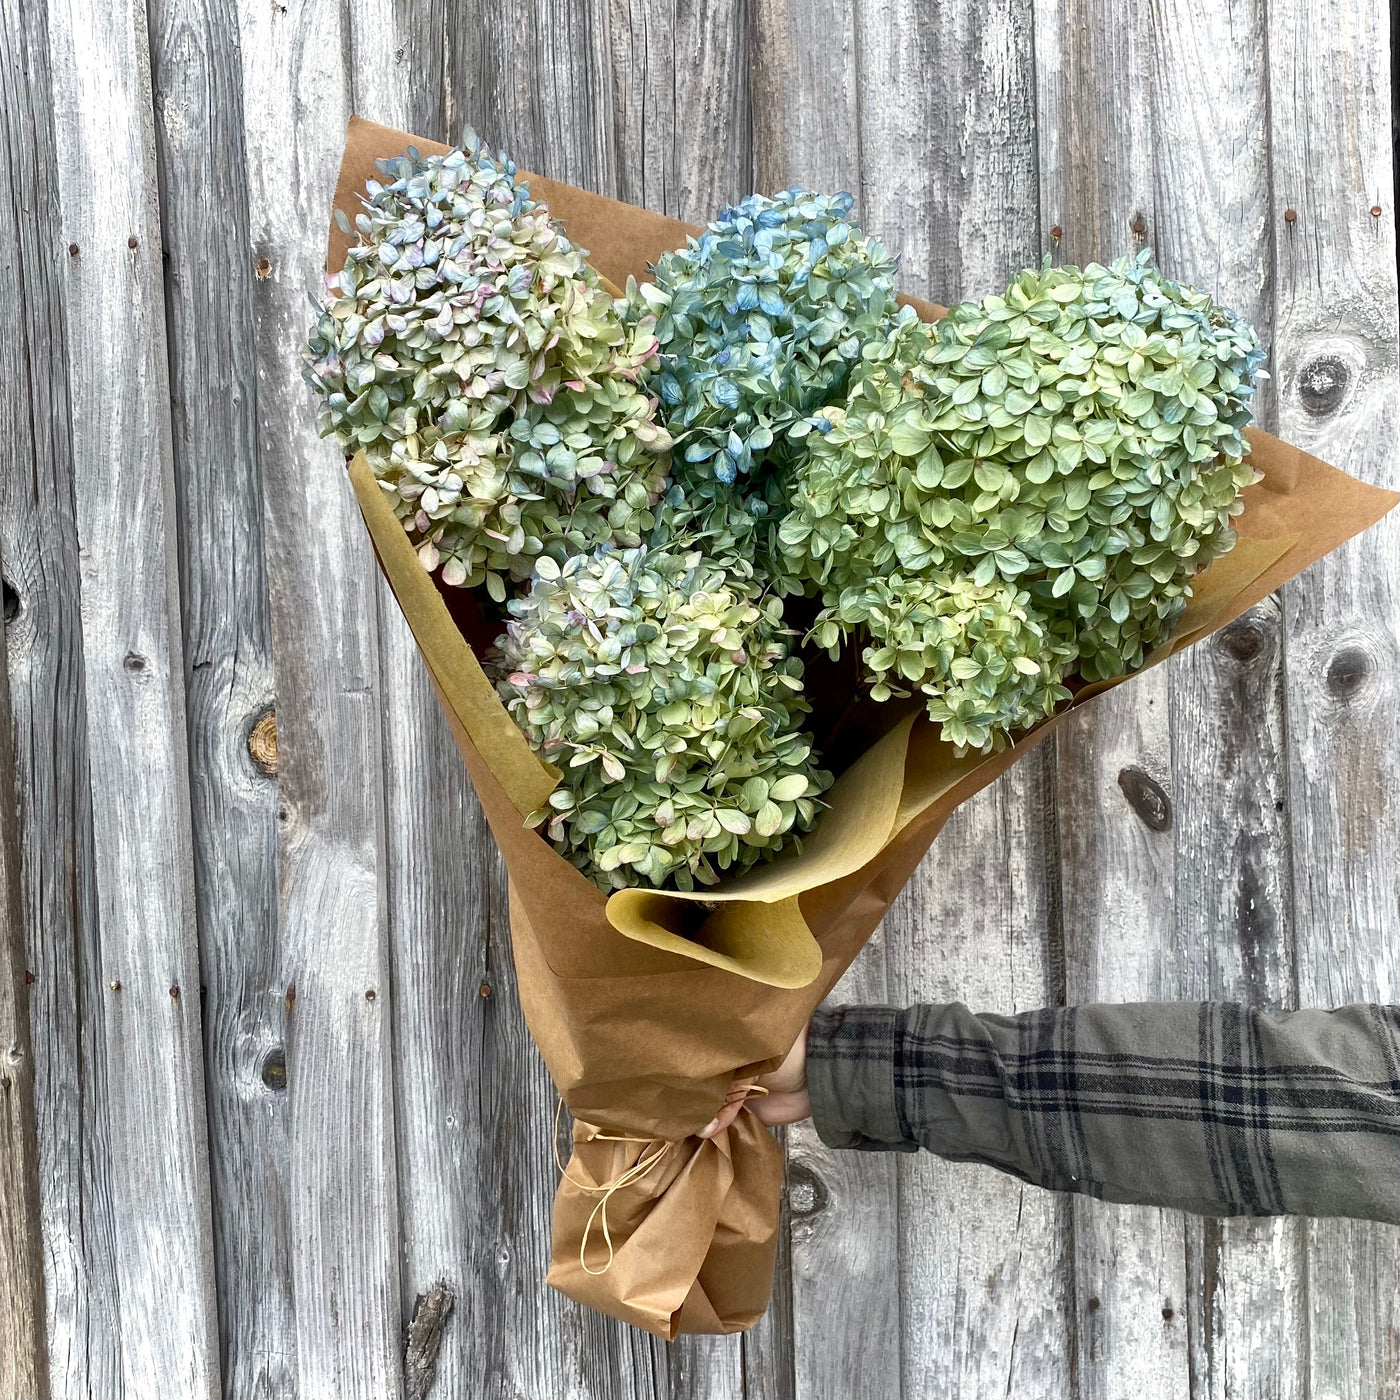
(1323,384)
(134,662)
(73,250)
(273,1070)
(807,1193)
(1147,798)
(1168,1313)
(1242,640)
(11,603)
(262,743)
(1347,672)
(133,242)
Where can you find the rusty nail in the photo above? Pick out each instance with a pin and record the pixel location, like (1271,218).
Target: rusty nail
(29,978)
(1290,216)
(1139,226)
(1056,233)
(1375,211)
(263,268)
(133,242)
(369,994)
(115,986)
(72,250)
(484,990)
(175,992)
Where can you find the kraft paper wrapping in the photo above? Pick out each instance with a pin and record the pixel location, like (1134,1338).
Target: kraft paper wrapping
(647,1006)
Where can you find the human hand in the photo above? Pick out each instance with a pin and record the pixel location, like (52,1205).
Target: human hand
(786,1101)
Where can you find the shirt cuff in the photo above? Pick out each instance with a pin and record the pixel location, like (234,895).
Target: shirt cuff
(852,1059)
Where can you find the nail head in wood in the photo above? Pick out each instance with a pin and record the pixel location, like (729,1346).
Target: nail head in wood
(484,990)
(1290,216)
(133,242)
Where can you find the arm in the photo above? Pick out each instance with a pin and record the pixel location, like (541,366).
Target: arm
(1211,1107)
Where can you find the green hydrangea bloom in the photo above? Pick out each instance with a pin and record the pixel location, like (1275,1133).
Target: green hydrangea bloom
(759,320)
(987,661)
(1081,437)
(671,700)
(469,349)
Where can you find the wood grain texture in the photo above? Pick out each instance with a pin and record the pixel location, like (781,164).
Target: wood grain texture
(133,688)
(1335,327)
(333,963)
(1118,861)
(24,1364)
(1233,932)
(844,1207)
(49,733)
(228,676)
(385,1156)
(949,180)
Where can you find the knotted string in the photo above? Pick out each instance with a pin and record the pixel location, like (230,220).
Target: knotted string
(629,1177)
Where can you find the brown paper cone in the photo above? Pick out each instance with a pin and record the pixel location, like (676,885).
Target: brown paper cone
(647,1006)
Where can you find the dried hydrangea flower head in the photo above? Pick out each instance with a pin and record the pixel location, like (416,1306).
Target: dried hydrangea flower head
(759,320)
(1081,437)
(469,349)
(670,699)
(987,661)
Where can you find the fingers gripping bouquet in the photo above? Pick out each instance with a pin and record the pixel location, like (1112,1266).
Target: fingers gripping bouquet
(766,572)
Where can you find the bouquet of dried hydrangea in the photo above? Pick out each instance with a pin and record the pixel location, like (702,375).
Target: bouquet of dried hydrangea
(986,507)
(669,495)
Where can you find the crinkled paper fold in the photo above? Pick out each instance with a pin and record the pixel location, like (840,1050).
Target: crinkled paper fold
(647,1005)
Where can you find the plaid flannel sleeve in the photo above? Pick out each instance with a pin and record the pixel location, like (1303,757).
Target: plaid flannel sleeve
(1212,1107)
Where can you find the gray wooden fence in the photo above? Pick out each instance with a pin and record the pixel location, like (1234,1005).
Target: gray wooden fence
(280,1089)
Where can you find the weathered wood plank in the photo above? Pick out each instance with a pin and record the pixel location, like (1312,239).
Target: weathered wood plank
(1234,930)
(843,1206)
(949,180)
(39,544)
(124,501)
(844,1210)
(228,673)
(334,965)
(1095,85)
(682,128)
(1336,356)
(24,1366)
(534,77)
